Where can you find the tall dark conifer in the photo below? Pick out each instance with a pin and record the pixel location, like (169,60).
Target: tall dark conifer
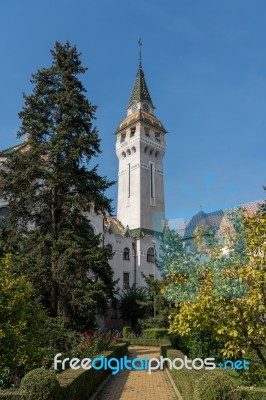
(50,188)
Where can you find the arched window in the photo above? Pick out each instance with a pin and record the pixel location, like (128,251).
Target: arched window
(110,248)
(150,254)
(151,152)
(133,149)
(128,152)
(124,155)
(146,149)
(126,253)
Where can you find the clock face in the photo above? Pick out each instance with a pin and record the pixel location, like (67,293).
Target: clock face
(134,107)
(146,107)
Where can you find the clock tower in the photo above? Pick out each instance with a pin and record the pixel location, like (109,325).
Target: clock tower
(140,148)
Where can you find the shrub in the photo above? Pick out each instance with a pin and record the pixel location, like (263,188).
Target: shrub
(13,394)
(23,340)
(216,386)
(248,393)
(179,342)
(201,344)
(154,333)
(127,330)
(256,374)
(89,343)
(197,344)
(41,384)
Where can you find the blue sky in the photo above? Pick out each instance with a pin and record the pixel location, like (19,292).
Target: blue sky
(205,66)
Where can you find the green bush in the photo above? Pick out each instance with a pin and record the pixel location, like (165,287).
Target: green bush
(12,395)
(154,333)
(248,393)
(197,344)
(215,386)
(146,342)
(126,331)
(256,374)
(41,384)
(22,327)
(179,342)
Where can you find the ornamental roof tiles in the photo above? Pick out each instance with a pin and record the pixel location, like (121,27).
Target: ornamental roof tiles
(140,90)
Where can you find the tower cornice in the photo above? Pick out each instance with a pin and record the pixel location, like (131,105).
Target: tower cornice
(140,116)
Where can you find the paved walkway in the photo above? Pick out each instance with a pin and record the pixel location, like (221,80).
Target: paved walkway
(138,385)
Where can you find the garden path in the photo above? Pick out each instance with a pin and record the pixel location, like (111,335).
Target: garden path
(138,385)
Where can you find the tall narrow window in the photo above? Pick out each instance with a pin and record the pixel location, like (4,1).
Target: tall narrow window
(152,185)
(132,131)
(128,180)
(125,280)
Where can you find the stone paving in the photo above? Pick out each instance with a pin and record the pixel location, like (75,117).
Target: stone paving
(138,385)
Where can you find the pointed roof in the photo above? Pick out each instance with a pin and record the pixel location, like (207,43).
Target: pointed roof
(214,219)
(140,90)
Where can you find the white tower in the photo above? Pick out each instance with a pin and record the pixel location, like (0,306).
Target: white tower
(140,147)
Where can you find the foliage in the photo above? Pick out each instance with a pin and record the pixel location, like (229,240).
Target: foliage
(216,386)
(22,319)
(87,344)
(231,293)
(126,331)
(132,304)
(179,269)
(154,333)
(256,375)
(156,305)
(41,384)
(50,188)
(197,344)
(82,384)
(248,393)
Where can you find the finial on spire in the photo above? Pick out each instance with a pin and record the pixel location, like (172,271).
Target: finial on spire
(140,44)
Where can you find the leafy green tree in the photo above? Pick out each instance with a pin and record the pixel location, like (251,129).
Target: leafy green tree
(179,269)
(50,189)
(231,292)
(133,304)
(156,304)
(23,342)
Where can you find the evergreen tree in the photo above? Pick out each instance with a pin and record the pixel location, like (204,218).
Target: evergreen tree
(133,304)
(50,188)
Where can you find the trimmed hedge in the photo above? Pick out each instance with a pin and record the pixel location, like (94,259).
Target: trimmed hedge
(214,386)
(206,385)
(246,393)
(41,384)
(12,395)
(184,379)
(126,330)
(81,384)
(146,342)
(154,333)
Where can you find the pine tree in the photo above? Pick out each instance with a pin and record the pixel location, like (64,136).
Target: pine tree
(50,188)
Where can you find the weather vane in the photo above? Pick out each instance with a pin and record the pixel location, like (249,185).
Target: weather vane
(140,44)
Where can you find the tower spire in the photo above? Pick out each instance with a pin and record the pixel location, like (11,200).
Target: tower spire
(140,90)
(140,44)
